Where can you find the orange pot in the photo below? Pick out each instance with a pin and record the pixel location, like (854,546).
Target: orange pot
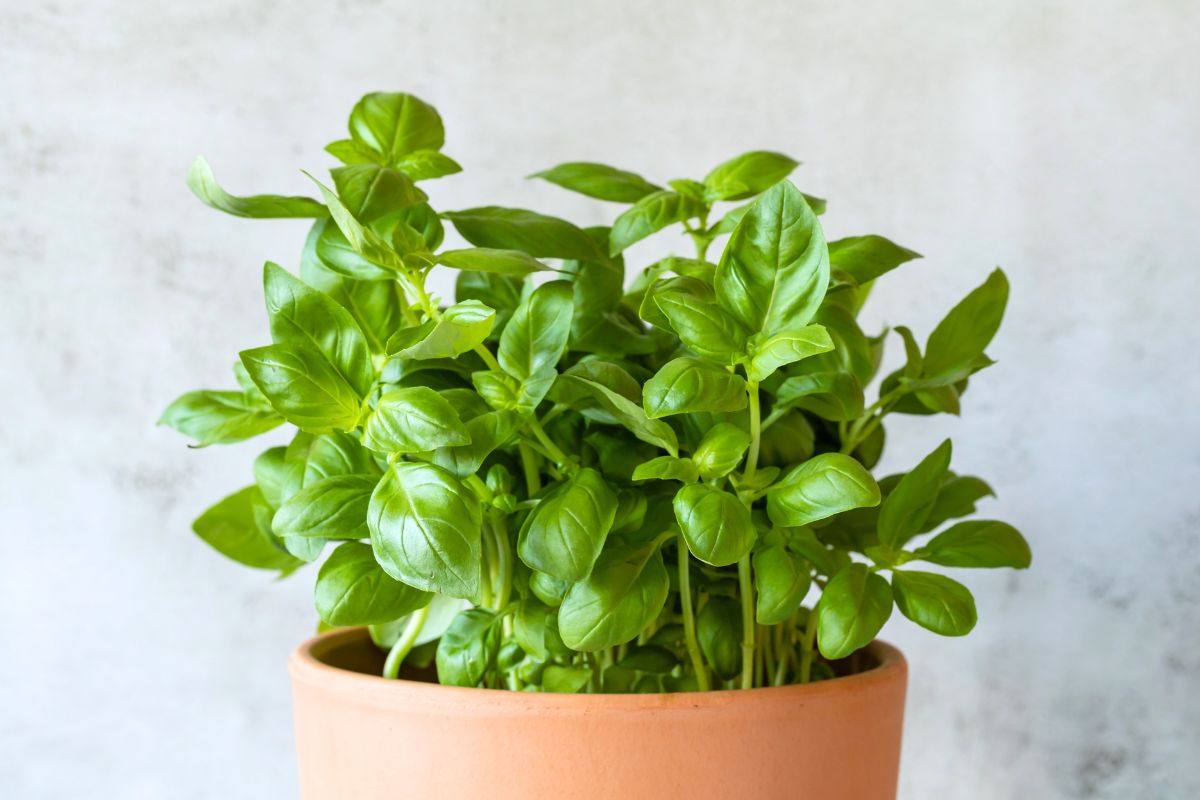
(362,737)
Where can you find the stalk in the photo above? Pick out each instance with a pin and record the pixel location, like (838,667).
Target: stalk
(689,616)
(745,578)
(404,645)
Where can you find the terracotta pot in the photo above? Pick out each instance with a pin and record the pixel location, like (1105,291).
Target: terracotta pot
(363,737)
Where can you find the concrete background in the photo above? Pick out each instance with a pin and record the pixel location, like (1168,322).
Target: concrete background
(1057,139)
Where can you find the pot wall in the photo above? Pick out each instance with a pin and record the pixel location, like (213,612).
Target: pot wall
(363,737)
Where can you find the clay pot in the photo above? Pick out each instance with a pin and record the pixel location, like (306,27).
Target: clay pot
(363,737)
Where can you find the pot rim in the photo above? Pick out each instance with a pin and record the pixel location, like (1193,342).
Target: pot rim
(306,667)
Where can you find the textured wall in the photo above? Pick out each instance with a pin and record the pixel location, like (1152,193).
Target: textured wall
(1056,139)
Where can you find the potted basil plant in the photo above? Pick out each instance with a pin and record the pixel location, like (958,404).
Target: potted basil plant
(592,527)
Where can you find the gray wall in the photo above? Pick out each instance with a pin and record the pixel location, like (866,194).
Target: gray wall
(1056,139)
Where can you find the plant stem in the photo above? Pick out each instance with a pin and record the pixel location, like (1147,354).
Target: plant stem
(746,590)
(806,647)
(504,558)
(689,616)
(755,430)
(561,458)
(404,645)
(533,481)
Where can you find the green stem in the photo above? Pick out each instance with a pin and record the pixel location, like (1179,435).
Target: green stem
(561,458)
(755,429)
(504,557)
(404,645)
(746,590)
(689,615)
(806,648)
(533,481)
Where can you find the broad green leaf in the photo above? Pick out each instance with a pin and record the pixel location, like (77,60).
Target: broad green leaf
(396,124)
(649,658)
(426,530)
(204,185)
(270,473)
(487,259)
(790,440)
(351,589)
(487,432)
(775,268)
(715,524)
(337,255)
(687,385)
(824,485)
(907,507)
(914,362)
(235,528)
(599,181)
(934,602)
(836,396)
(624,593)
(787,347)
(720,450)
(413,420)
(423,165)
(565,680)
(536,337)
(854,606)
(700,322)
(331,508)
(351,152)
(719,632)
(362,240)
(535,629)
(960,338)
(462,327)
(747,175)
(468,648)
(651,214)
(334,454)
(537,234)
(304,387)
(499,292)
(981,543)
(956,498)
(727,223)
(499,390)
(548,589)
(302,316)
(624,411)
(803,542)
(214,417)
(781,580)
(667,468)
(565,531)
(371,192)
(441,613)
(865,258)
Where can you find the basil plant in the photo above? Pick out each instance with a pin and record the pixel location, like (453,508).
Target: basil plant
(582,476)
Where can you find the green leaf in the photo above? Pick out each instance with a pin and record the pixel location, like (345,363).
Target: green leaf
(537,234)
(304,387)
(426,530)
(423,165)
(624,411)
(775,268)
(362,240)
(719,633)
(500,292)
(787,347)
(371,192)
(854,606)
(649,658)
(865,258)
(213,417)
(624,593)
(599,181)
(565,680)
(934,602)
(747,175)
(781,580)
(981,543)
(349,151)
(413,420)
(487,432)
(334,454)
(903,514)
(824,485)
(836,396)
(331,508)
(715,524)
(337,255)
(565,532)
(956,498)
(486,259)
(498,389)
(204,185)
(462,327)
(687,385)
(352,590)
(468,648)
(396,124)
(720,450)
(302,316)
(960,338)
(651,214)
(667,468)
(536,337)
(235,528)
(699,321)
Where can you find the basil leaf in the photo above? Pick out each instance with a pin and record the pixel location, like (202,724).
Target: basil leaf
(865,258)
(565,680)
(468,648)
(719,633)
(426,530)
(334,454)
(462,327)
(775,268)
(537,234)
(362,240)
(304,387)
(413,420)
(349,151)
(337,255)
(787,347)
(981,543)
(234,528)
(423,165)
(907,507)
(720,450)
(599,181)
(396,124)
(747,175)
(536,337)
(854,606)
(624,411)
(649,658)
(824,485)
(716,524)
(960,338)
(487,259)
(651,214)
(499,292)
(212,417)
(934,602)
(700,323)
(565,532)
(956,498)
(371,192)
(836,396)
(667,468)
(781,581)
(487,432)
(331,508)
(270,473)
(204,185)
(624,593)
(352,590)
(689,384)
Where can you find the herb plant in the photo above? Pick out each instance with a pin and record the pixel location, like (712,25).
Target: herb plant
(572,485)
